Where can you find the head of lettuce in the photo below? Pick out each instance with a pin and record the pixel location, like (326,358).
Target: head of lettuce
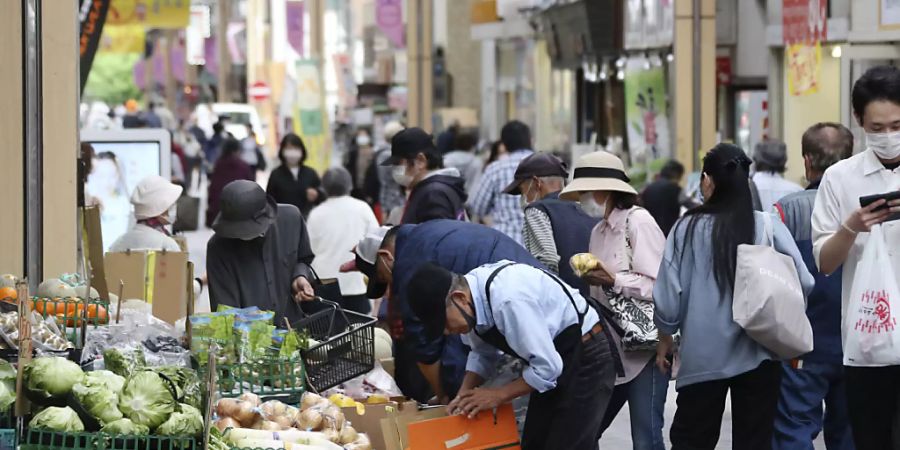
(147,399)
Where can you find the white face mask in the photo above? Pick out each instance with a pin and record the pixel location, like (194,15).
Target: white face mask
(400,176)
(590,205)
(172,214)
(523,198)
(363,140)
(885,145)
(292,156)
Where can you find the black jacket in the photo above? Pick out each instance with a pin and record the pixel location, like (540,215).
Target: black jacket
(436,197)
(662,199)
(286,189)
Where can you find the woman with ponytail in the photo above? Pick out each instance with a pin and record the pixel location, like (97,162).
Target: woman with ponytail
(693,295)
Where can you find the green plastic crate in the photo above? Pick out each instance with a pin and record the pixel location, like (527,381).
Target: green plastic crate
(51,440)
(269,377)
(67,312)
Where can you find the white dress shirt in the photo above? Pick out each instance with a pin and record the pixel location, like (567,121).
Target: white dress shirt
(838,197)
(335,227)
(773,187)
(529,309)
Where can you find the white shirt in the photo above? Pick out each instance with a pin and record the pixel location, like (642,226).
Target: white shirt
(773,187)
(838,197)
(335,227)
(141,237)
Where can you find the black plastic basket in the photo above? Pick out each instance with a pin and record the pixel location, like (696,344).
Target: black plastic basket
(52,440)
(345,349)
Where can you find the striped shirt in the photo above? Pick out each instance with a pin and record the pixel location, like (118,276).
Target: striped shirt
(489,200)
(539,240)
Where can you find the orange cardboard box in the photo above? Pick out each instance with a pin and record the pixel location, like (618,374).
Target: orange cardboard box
(486,432)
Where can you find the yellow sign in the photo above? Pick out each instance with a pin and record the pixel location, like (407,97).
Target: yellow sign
(150,13)
(123,39)
(804,68)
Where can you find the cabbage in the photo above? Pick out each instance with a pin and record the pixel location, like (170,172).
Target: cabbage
(187,384)
(147,399)
(187,421)
(7,394)
(57,419)
(52,376)
(124,362)
(7,371)
(125,427)
(104,378)
(99,402)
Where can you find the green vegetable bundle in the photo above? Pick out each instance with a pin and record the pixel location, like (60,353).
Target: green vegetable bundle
(64,420)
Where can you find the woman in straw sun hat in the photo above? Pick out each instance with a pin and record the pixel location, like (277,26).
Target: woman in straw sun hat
(629,246)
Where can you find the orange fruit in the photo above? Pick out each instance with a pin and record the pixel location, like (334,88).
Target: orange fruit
(8,294)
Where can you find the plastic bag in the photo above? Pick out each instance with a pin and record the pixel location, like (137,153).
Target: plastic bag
(873,337)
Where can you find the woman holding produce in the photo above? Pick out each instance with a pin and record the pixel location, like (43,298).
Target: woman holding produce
(628,247)
(694,295)
(293,182)
(154,208)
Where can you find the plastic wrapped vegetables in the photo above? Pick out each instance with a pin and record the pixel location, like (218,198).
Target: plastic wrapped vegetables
(124,362)
(147,399)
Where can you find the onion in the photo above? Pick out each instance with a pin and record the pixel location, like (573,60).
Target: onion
(310,420)
(227,422)
(284,421)
(332,435)
(333,417)
(361,443)
(250,397)
(267,425)
(309,400)
(227,407)
(273,408)
(348,435)
(246,413)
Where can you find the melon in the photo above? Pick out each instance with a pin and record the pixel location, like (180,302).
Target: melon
(383,344)
(81,290)
(54,288)
(8,280)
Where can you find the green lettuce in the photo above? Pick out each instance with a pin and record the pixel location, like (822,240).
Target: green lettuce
(98,401)
(52,376)
(147,399)
(125,427)
(186,421)
(57,419)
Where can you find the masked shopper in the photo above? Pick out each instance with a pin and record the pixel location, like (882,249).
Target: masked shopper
(841,230)
(154,209)
(293,182)
(532,315)
(693,294)
(628,245)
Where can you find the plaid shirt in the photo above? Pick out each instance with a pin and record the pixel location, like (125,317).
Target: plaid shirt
(489,200)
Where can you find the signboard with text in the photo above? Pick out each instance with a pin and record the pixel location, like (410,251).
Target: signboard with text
(804,27)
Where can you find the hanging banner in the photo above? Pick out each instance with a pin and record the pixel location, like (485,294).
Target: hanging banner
(294,11)
(389,17)
(123,39)
(804,67)
(343,71)
(93,15)
(646,110)
(309,114)
(150,13)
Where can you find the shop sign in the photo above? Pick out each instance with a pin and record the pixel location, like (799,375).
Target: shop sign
(294,18)
(804,21)
(723,70)
(309,96)
(804,68)
(389,17)
(646,110)
(150,13)
(93,16)
(648,23)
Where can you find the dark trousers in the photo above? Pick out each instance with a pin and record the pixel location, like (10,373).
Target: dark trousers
(873,394)
(754,398)
(356,303)
(801,416)
(569,416)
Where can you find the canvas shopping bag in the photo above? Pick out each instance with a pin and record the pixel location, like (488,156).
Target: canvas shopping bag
(768,299)
(871,322)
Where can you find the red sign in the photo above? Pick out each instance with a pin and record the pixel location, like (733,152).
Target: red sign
(723,70)
(259,91)
(804,21)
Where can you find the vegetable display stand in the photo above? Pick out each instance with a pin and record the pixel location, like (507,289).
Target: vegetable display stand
(342,346)
(52,440)
(266,377)
(69,311)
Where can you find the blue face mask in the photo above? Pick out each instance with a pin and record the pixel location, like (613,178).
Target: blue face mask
(470,320)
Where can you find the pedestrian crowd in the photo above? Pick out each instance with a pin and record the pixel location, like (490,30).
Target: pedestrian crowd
(571,294)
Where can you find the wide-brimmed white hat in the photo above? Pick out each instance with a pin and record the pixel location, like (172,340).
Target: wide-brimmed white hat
(153,196)
(597,171)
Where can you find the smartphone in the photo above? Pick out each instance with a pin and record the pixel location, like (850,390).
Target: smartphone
(869,199)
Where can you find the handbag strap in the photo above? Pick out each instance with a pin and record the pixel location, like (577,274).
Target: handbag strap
(768,230)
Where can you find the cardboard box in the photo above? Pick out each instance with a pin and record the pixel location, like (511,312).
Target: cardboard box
(159,278)
(395,428)
(486,431)
(367,419)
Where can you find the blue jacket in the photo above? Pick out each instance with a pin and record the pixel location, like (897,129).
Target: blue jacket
(824,303)
(456,246)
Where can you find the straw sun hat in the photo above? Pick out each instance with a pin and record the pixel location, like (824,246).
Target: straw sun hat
(598,171)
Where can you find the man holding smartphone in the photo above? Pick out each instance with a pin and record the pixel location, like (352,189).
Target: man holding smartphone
(840,229)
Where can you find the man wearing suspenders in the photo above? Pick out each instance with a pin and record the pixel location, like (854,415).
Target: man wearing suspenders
(532,315)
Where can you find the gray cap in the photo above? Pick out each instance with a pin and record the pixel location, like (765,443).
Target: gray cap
(245,211)
(771,154)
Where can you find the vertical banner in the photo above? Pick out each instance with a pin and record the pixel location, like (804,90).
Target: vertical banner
(646,110)
(310,114)
(294,11)
(389,17)
(343,71)
(93,15)
(804,25)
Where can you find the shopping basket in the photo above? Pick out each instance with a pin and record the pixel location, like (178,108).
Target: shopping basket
(344,346)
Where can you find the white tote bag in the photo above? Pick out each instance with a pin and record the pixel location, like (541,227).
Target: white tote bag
(768,299)
(873,338)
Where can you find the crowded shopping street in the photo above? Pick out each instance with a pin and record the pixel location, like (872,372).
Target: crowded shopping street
(450,224)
